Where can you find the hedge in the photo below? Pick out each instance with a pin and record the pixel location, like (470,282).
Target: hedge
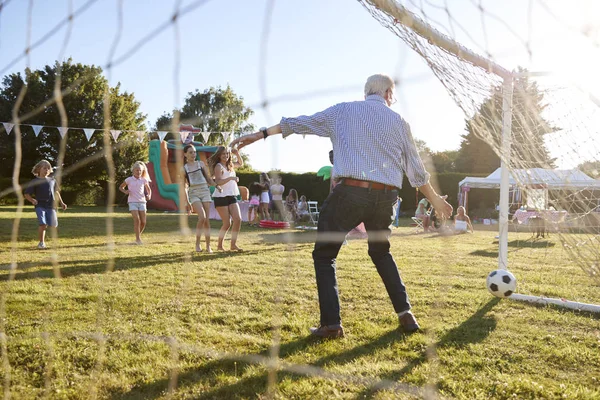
(481,201)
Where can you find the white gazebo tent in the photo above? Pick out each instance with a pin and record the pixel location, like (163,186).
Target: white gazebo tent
(534,179)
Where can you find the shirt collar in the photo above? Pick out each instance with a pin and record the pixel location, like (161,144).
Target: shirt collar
(376,97)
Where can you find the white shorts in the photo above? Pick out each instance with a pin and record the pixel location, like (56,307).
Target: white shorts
(199,193)
(137,206)
(264,197)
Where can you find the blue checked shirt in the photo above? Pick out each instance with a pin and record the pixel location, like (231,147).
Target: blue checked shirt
(371,142)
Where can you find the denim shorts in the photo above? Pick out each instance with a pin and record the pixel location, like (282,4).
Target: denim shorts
(199,193)
(46,216)
(137,206)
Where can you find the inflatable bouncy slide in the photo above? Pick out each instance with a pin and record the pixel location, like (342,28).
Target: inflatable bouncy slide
(162,168)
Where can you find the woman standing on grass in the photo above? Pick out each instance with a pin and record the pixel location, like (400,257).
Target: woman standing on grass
(198,194)
(226,204)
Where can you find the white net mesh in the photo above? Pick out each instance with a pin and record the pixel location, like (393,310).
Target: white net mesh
(82,321)
(553,125)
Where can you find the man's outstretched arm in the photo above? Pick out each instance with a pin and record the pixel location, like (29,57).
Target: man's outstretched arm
(245,140)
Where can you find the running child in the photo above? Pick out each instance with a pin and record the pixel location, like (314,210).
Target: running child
(45,193)
(138,190)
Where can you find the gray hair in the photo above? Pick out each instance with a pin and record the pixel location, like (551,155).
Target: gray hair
(378,84)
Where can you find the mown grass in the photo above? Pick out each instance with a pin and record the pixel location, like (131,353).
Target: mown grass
(166,322)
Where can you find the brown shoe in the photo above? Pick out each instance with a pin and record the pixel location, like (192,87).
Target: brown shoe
(408,323)
(326,332)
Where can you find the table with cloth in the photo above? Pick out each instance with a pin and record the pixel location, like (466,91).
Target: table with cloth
(522,216)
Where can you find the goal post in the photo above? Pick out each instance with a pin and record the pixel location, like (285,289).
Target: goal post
(520,115)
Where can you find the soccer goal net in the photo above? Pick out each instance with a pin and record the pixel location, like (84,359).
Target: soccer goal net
(545,131)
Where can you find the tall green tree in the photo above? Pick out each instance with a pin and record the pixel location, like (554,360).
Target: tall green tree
(84,106)
(444,161)
(484,131)
(214,110)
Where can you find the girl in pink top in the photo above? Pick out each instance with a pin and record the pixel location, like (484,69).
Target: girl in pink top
(139,192)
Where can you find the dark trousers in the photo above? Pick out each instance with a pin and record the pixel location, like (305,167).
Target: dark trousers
(345,208)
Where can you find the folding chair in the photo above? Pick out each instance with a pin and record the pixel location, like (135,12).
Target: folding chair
(313,212)
(418,224)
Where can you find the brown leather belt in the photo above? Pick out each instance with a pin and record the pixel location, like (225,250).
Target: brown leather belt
(366,184)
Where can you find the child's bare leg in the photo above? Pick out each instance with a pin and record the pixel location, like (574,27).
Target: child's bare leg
(234,210)
(142,215)
(206,207)
(199,211)
(42,233)
(136,225)
(225,217)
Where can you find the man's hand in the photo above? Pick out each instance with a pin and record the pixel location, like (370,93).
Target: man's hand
(443,209)
(64,206)
(245,140)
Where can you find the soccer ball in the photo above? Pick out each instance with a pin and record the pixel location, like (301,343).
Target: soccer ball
(501,283)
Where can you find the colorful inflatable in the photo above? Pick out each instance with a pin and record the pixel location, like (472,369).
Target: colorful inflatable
(162,167)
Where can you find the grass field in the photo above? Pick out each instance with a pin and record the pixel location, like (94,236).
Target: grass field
(166,322)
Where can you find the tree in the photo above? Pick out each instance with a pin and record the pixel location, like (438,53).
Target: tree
(215,110)
(590,168)
(444,161)
(84,106)
(528,129)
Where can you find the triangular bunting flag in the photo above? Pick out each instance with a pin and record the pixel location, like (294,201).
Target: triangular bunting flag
(205,136)
(62,130)
(225,136)
(140,135)
(162,134)
(184,135)
(88,133)
(36,129)
(115,134)
(8,126)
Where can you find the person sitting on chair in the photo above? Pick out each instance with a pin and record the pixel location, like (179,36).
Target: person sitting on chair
(462,222)
(421,214)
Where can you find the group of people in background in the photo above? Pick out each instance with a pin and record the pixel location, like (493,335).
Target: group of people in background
(462,222)
(266,202)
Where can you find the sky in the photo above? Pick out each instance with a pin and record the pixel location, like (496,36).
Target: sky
(317,53)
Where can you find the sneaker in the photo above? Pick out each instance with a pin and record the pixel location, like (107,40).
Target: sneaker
(326,331)
(41,246)
(408,323)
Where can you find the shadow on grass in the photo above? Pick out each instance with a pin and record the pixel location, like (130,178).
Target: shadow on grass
(73,225)
(516,245)
(210,375)
(296,236)
(96,266)
(473,330)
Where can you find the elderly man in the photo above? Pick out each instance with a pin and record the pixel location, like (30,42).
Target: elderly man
(373,149)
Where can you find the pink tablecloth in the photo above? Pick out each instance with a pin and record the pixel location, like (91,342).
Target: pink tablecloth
(243,208)
(522,216)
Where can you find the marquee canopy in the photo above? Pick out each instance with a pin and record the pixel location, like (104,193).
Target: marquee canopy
(552,179)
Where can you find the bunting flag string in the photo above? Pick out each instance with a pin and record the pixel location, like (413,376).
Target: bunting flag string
(115,134)
(186,135)
(88,133)
(8,127)
(140,136)
(225,137)
(37,129)
(162,134)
